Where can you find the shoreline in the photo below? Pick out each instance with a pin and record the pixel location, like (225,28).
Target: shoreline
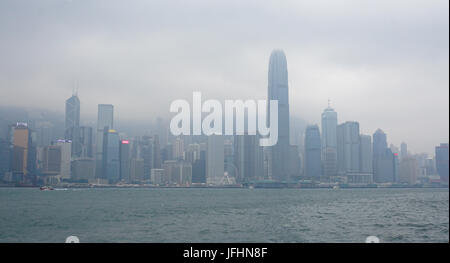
(227,187)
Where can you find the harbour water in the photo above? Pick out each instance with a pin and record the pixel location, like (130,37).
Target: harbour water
(224,215)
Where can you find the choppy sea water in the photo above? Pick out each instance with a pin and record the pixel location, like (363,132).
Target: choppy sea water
(224,215)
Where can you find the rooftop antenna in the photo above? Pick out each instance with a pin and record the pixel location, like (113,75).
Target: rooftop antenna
(329,102)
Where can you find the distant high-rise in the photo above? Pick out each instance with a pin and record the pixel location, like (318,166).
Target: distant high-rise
(66,153)
(104,122)
(278,90)
(51,160)
(83,170)
(248,158)
(379,142)
(199,171)
(72,123)
(125,160)
(408,170)
(329,142)
(156,152)
(403,150)
(366,158)
(5,157)
(313,151)
(147,153)
(348,148)
(86,145)
(21,142)
(384,161)
(215,159)
(178,148)
(111,163)
(137,170)
(442,161)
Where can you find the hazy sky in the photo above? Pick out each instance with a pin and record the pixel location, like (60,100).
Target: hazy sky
(382,63)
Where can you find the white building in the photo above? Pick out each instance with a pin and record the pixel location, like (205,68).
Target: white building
(66,153)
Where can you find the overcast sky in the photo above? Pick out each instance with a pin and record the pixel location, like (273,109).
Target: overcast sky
(382,63)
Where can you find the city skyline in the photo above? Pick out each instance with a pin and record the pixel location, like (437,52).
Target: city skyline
(390,74)
(339,154)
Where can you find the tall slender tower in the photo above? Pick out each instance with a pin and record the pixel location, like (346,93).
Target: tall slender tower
(104,123)
(312,152)
(278,90)
(72,124)
(329,142)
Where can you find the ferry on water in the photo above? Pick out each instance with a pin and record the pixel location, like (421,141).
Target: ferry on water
(46,188)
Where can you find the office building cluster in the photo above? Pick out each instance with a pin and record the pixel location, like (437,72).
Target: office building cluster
(332,153)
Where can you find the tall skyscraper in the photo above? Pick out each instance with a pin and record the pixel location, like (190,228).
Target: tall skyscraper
(329,142)
(384,162)
(215,160)
(86,145)
(442,161)
(21,141)
(156,152)
(72,123)
(348,148)
(147,152)
(403,150)
(313,151)
(66,153)
(248,158)
(178,148)
(111,163)
(125,160)
(366,158)
(104,123)
(379,142)
(5,157)
(278,90)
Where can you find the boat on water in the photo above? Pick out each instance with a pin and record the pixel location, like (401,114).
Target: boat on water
(46,188)
(336,187)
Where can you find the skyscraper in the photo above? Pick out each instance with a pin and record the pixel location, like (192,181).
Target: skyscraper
(403,150)
(125,160)
(51,160)
(147,152)
(21,142)
(379,142)
(384,161)
(278,90)
(111,163)
(442,161)
(86,145)
(5,157)
(156,152)
(72,123)
(329,142)
(348,148)
(66,153)
(104,123)
(199,171)
(248,158)
(215,160)
(408,170)
(366,158)
(313,152)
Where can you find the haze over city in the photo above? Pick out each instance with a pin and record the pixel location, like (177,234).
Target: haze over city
(386,71)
